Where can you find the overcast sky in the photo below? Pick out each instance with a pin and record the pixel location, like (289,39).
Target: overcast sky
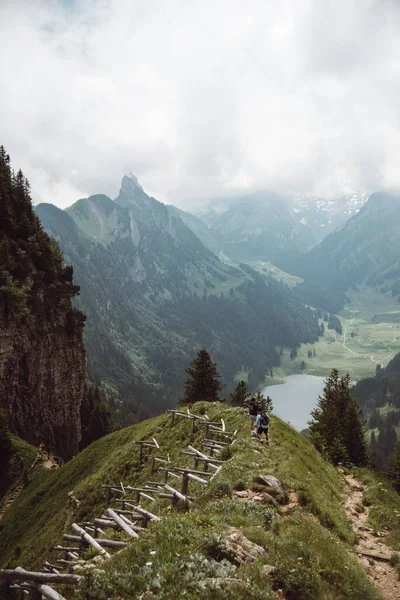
(201,98)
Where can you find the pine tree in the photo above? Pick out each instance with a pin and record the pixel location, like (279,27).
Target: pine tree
(337,428)
(203,381)
(394,468)
(240,394)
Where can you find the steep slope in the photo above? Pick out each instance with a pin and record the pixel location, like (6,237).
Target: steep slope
(304,534)
(42,356)
(154,295)
(260,227)
(199,228)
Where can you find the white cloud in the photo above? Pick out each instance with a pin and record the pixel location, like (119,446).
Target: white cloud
(201,99)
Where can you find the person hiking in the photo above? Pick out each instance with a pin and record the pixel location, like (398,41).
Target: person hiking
(262,425)
(252,413)
(41,449)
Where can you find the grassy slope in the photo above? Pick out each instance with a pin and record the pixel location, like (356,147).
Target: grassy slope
(318,532)
(22,456)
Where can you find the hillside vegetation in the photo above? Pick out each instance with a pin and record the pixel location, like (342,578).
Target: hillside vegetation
(306,540)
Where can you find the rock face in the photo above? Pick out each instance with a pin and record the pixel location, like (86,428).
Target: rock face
(42,356)
(41,386)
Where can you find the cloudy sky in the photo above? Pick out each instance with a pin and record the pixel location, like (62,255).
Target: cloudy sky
(201,98)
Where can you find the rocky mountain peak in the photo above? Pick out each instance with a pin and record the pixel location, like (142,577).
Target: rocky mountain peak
(131,191)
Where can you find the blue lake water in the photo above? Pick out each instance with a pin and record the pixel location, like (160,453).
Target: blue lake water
(294,400)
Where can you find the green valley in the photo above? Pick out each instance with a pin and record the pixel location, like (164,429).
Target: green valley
(371,336)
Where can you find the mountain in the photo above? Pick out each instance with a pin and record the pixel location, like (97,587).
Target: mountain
(365,250)
(154,295)
(42,356)
(199,228)
(259,227)
(324,216)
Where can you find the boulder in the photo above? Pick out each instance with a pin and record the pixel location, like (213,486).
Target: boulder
(240,549)
(272,482)
(268,570)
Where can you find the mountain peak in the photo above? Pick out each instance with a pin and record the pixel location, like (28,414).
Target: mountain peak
(131,191)
(130,183)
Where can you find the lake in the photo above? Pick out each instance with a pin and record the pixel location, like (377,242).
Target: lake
(294,400)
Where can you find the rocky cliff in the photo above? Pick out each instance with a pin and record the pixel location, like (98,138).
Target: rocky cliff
(42,355)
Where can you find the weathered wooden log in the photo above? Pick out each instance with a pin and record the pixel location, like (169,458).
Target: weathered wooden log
(196,478)
(203,456)
(109,523)
(216,443)
(90,540)
(67,548)
(119,520)
(19,574)
(193,471)
(52,568)
(101,541)
(148,514)
(134,516)
(177,494)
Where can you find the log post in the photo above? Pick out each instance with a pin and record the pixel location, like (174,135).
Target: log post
(88,538)
(128,530)
(185,483)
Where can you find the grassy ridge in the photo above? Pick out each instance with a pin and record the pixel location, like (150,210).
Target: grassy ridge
(308,546)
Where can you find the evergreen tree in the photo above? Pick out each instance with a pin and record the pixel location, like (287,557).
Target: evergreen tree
(337,428)
(394,468)
(203,381)
(96,416)
(264,403)
(240,394)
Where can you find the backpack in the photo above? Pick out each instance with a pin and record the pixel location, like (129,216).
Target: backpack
(264,421)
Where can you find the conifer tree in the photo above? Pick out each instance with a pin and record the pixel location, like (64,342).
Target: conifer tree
(203,381)
(337,428)
(240,394)
(394,468)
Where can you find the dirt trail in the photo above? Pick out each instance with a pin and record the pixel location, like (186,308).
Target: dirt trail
(371,552)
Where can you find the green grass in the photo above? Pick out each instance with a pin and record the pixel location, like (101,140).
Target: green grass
(267,268)
(374,320)
(308,547)
(384,514)
(22,456)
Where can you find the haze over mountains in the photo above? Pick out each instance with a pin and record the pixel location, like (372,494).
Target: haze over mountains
(154,294)
(365,250)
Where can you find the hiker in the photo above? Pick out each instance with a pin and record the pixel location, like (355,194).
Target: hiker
(41,449)
(252,413)
(262,425)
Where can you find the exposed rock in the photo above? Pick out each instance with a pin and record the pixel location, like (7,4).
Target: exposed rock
(268,570)
(242,550)
(271,482)
(41,385)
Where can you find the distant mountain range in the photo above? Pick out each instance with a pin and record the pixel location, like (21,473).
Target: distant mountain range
(154,294)
(365,250)
(263,226)
(324,216)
